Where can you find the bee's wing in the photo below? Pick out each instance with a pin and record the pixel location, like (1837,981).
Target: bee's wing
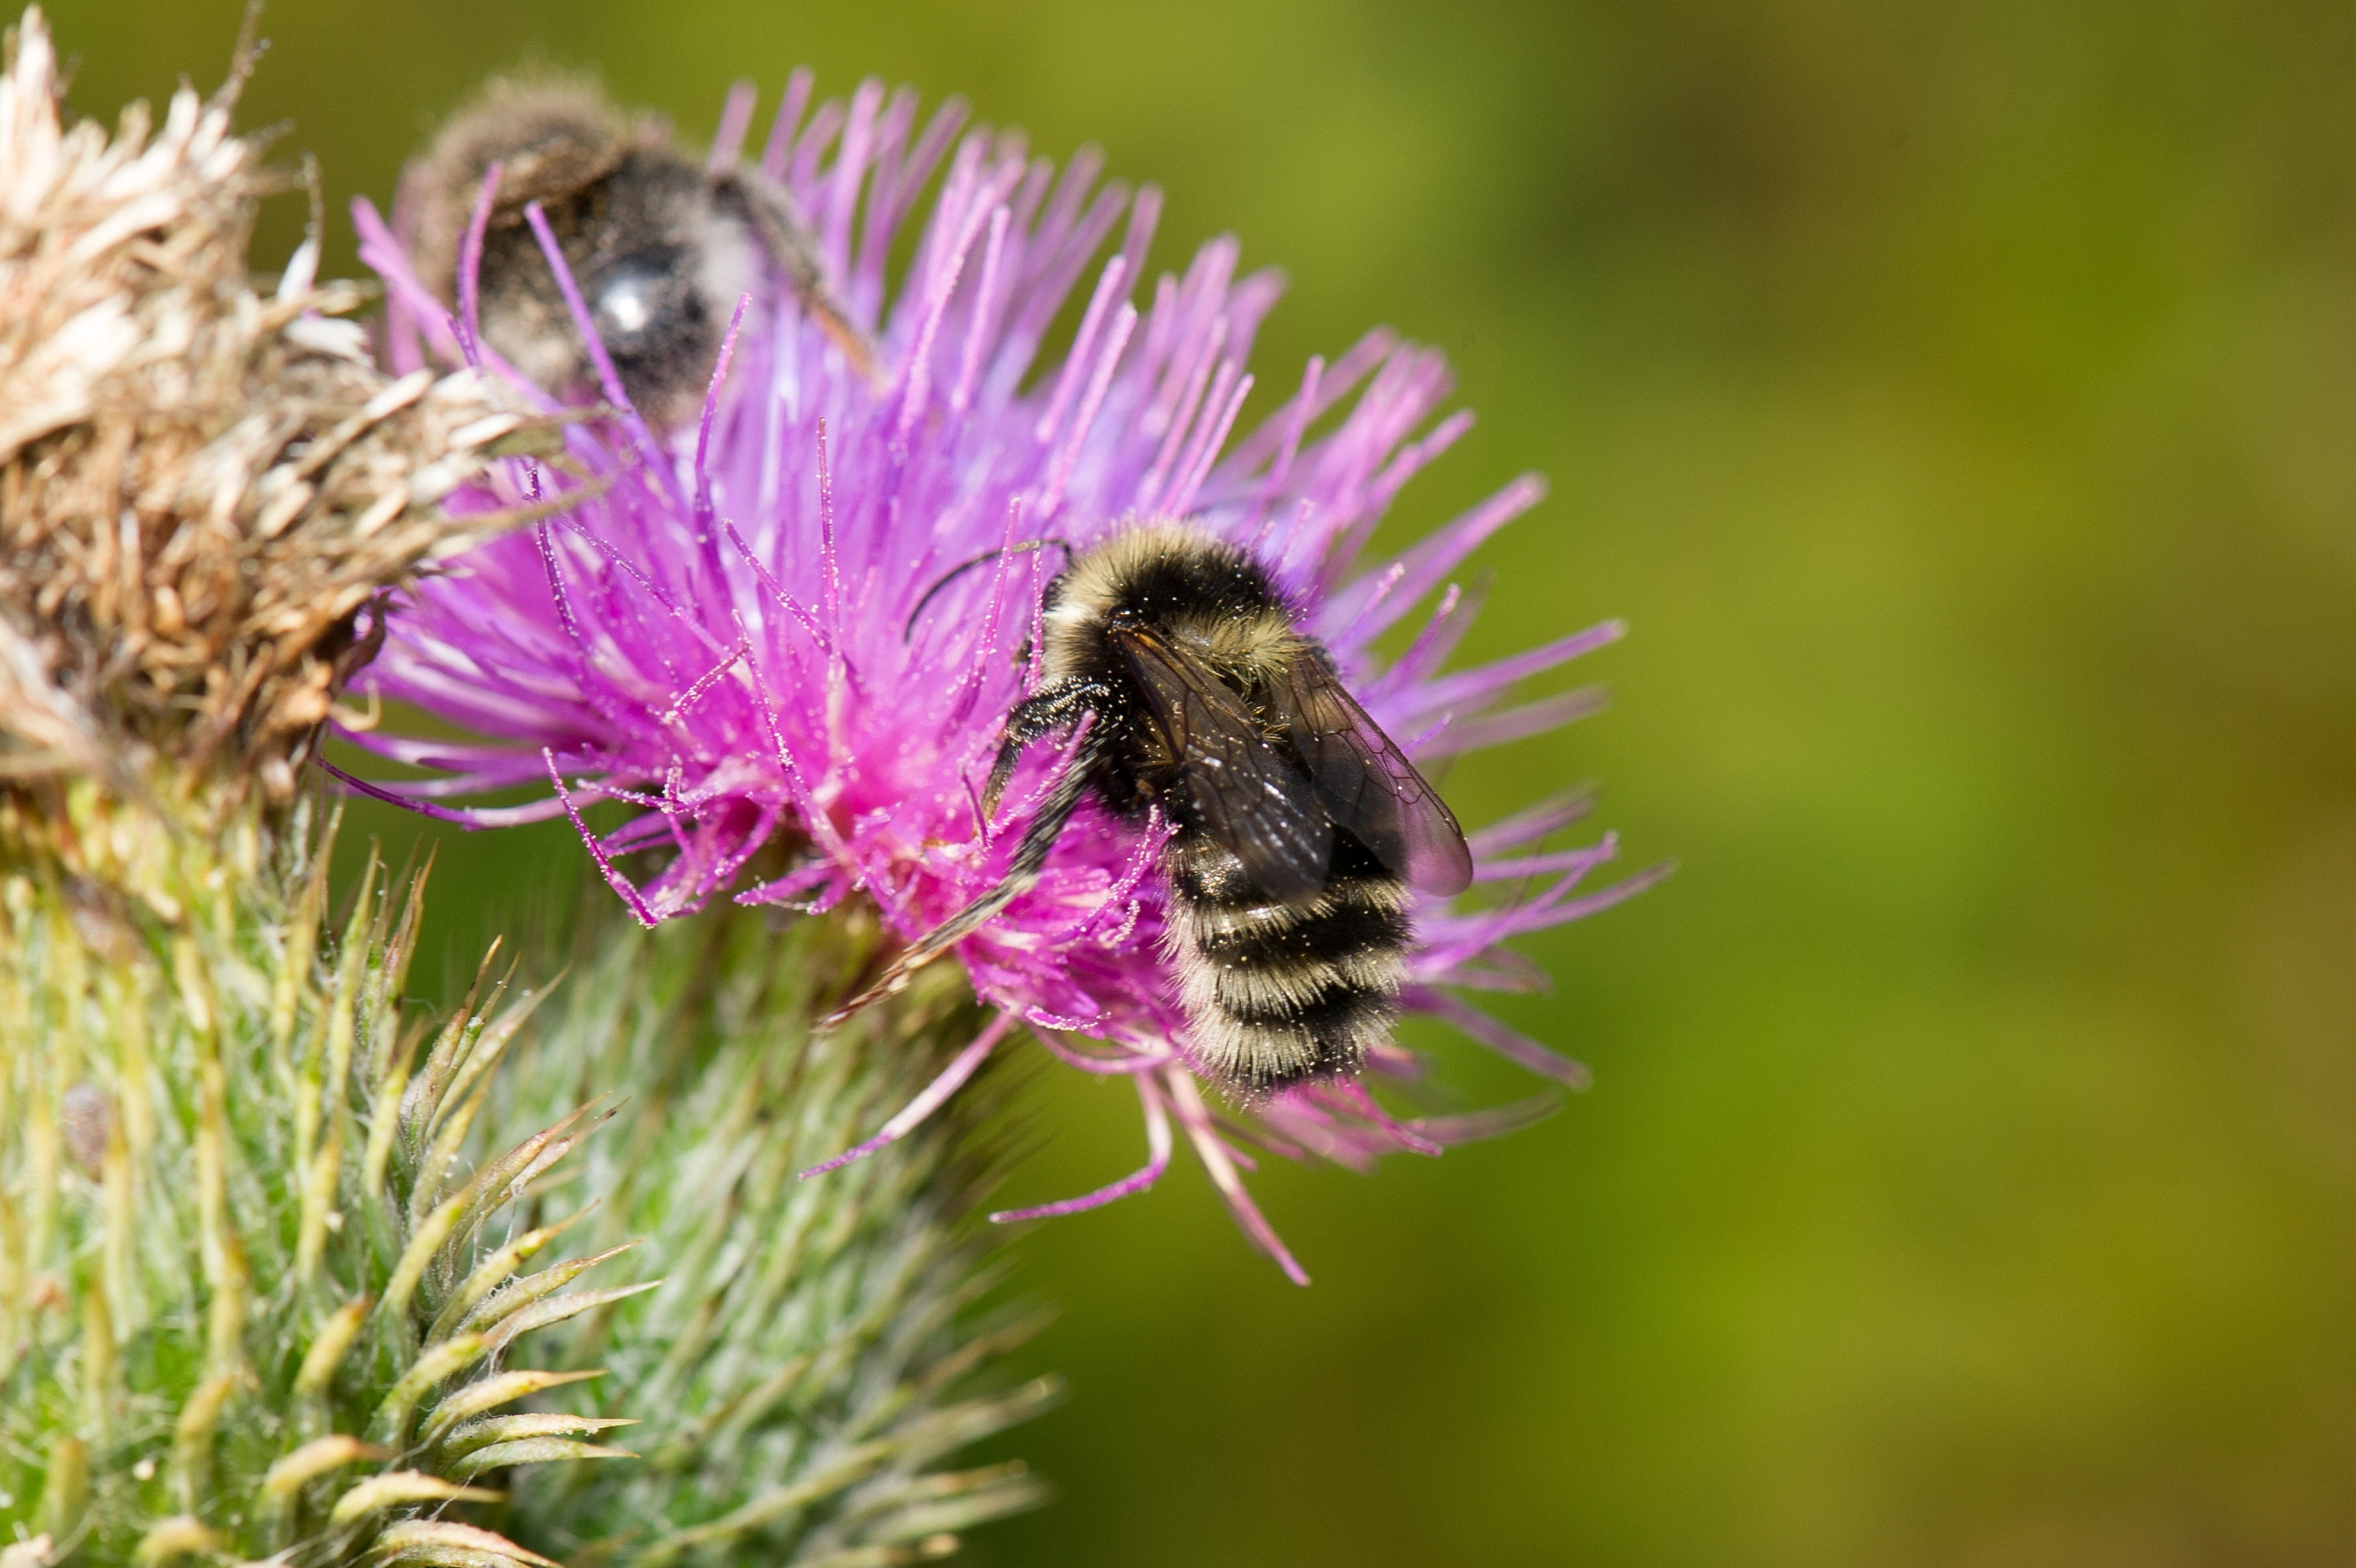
(1248,795)
(1365,783)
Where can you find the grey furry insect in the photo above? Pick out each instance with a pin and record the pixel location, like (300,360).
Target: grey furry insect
(661,247)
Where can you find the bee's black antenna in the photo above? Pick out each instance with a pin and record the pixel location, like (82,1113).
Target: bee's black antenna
(962,567)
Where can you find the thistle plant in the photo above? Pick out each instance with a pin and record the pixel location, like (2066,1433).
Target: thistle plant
(250,1300)
(291,1273)
(768,636)
(290,1270)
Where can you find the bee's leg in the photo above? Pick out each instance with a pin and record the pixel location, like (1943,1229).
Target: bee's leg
(1048,711)
(1021,873)
(790,246)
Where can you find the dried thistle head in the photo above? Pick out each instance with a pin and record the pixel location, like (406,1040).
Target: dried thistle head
(202,486)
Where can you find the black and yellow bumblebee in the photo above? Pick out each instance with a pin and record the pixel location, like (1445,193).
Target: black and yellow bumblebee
(1299,828)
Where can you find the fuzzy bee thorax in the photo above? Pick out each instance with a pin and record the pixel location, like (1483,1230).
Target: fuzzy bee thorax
(1175,581)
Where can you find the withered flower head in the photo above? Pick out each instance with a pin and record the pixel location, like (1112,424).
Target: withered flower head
(202,486)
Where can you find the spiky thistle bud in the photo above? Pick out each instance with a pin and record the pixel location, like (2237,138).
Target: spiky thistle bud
(808,1362)
(252,1298)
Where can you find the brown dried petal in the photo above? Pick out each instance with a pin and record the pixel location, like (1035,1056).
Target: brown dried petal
(201,487)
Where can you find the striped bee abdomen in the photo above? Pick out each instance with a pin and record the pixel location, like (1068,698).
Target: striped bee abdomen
(1279,992)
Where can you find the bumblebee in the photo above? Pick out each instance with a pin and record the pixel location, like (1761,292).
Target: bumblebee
(1299,828)
(661,247)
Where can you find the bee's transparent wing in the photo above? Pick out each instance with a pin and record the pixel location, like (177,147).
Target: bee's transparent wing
(1248,795)
(1365,783)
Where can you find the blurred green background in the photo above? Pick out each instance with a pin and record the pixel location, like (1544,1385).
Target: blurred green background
(1958,400)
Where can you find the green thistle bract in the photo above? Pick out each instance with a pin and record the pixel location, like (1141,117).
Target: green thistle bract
(802,1368)
(250,1296)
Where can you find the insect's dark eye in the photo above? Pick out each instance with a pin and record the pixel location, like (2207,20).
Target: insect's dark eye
(638,298)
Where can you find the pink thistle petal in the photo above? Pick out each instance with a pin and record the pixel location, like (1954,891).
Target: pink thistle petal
(788,886)
(1182,498)
(934,1095)
(986,299)
(1077,362)
(1428,562)
(790,108)
(920,361)
(1124,321)
(1220,1161)
(1295,415)
(1157,1143)
(1182,419)
(1123,1063)
(605,868)
(712,408)
(1450,618)
(1514,724)
(468,817)
(1339,380)
(1363,1104)
(1495,1121)
(470,262)
(1480,683)
(1149,845)
(586,325)
(735,119)
(1511,1044)
(1574,861)
(1532,823)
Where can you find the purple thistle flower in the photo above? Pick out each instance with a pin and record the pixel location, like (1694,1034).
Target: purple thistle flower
(731,630)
